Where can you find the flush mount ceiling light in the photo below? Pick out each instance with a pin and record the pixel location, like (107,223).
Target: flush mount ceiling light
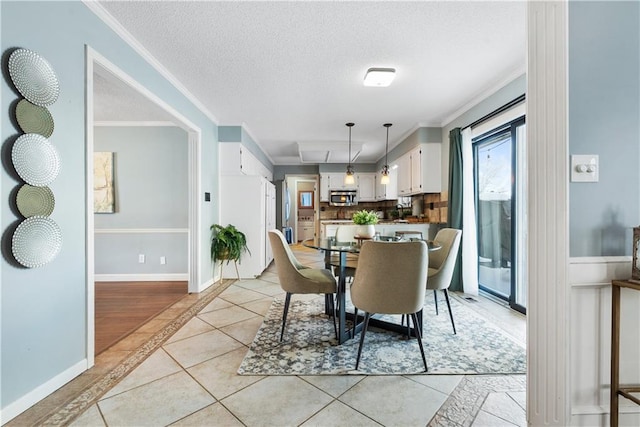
(384,180)
(379,77)
(349,179)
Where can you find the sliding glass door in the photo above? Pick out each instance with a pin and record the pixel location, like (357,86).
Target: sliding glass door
(500,191)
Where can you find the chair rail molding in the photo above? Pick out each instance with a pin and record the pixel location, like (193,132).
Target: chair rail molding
(548,333)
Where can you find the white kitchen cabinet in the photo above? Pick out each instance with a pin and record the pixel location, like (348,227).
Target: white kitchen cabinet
(235,159)
(306,230)
(366,187)
(333,181)
(248,202)
(419,170)
(404,174)
(426,167)
(324,187)
(389,191)
(336,182)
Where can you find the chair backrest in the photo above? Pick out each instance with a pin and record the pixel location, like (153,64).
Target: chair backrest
(390,277)
(444,259)
(345,233)
(286,262)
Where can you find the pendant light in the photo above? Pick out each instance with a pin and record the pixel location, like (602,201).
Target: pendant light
(349,178)
(384,180)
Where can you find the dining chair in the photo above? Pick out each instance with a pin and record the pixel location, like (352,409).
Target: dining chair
(296,278)
(441,265)
(390,280)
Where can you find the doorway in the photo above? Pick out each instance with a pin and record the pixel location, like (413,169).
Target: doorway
(141,96)
(500,198)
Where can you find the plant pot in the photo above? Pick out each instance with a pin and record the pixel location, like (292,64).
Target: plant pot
(366,230)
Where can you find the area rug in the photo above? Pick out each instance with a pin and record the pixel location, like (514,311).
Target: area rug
(310,348)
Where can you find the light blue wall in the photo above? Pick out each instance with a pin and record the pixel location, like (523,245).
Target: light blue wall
(604,119)
(44,309)
(280,171)
(149,194)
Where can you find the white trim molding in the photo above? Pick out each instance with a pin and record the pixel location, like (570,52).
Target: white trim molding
(590,281)
(175,277)
(141,230)
(17,407)
(548,333)
(113,23)
(133,124)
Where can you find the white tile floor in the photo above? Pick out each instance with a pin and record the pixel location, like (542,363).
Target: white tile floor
(192,380)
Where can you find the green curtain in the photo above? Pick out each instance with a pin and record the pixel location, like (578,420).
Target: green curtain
(454,213)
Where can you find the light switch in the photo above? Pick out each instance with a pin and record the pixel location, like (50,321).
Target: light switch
(585,168)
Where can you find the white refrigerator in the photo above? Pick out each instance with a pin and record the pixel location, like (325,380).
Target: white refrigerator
(249,203)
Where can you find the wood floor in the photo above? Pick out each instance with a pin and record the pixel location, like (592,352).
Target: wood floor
(122,307)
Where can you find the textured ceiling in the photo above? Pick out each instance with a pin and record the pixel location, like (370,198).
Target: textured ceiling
(291,72)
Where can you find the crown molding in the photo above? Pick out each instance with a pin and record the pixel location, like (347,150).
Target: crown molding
(519,71)
(128,38)
(115,123)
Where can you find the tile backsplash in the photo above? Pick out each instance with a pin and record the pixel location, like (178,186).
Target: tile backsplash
(428,207)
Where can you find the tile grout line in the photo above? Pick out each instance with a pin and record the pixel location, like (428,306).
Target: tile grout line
(72,409)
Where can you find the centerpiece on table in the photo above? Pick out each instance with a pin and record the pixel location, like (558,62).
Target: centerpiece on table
(366,221)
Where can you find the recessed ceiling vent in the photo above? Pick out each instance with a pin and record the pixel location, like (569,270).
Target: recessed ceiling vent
(328,152)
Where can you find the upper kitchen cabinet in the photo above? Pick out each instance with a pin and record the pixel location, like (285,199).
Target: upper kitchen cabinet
(366,187)
(419,170)
(389,191)
(236,159)
(404,174)
(426,175)
(364,183)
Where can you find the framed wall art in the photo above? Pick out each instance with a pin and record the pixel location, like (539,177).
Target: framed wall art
(103,182)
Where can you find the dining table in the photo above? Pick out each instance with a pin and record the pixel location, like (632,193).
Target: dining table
(332,247)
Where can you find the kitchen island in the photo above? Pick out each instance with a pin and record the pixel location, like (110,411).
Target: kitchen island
(384,227)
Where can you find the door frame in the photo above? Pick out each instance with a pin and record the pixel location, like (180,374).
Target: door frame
(94,58)
(511,127)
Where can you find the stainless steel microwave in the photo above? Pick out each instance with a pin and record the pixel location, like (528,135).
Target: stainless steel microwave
(343,197)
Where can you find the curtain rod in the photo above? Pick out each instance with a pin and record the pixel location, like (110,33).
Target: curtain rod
(496,112)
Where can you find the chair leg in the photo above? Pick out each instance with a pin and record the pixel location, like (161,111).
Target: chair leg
(355,322)
(287,300)
(435,298)
(446,295)
(332,304)
(419,336)
(364,331)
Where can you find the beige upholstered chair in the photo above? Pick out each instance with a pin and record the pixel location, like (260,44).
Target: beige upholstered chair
(442,263)
(390,280)
(295,278)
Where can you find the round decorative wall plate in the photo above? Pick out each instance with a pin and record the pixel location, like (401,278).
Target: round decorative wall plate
(34,77)
(35,159)
(35,201)
(34,119)
(36,241)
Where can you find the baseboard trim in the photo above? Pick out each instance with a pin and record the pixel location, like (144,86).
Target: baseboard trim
(25,402)
(175,277)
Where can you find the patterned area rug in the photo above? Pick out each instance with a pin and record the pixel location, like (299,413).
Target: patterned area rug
(310,348)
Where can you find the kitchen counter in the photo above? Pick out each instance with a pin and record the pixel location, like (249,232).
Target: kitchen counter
(384,221)
(385,227)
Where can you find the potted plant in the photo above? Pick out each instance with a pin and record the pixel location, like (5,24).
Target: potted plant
(228,243)
(366,220)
